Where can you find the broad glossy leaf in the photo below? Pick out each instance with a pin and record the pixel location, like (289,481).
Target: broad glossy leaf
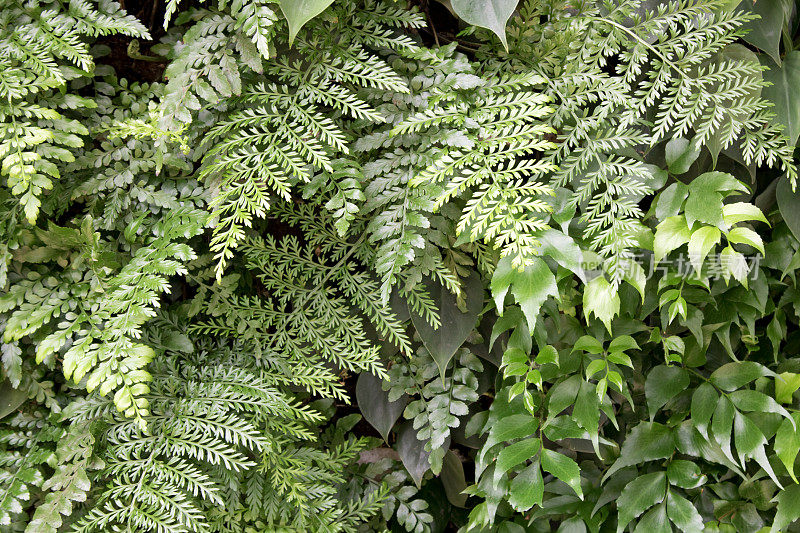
(412,452)
(563,395)
(622,343)
(527,488)
(680,153)
(750,400)
(453,479)
(587,412)
(789,204)
(299,12)
(563,468)
(455,326)
(374,404)
(784,92)
(732,376)
(588,344)
(750,442)
(722,424)
(563,249)
(664,383)
(685,474)
(10,398)
(490,14)
(704,401)
(509,428)
(765,31)
(639,495)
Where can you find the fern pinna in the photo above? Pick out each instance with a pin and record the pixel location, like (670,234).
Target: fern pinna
(289,124)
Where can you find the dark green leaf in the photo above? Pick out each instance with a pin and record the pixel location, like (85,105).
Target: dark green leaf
(732,376)
(453,479)
(783,92)
(639,495)
(10,398)
(527,488)
(514,454)
(655,521)
(455,327)
(664,383)
(789,204)
(683,514)
(646,442)
(563,468)
(788,510)
(412,452)
(704,401)
(685,474)
(374,404)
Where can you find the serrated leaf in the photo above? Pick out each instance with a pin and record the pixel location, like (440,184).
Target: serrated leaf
(530,287)
(527,487)
(701,242)
(683,514)
(639,495)
(563,468)
(601,299)
(664,383)
(646,442)
(514,454)
(671,234)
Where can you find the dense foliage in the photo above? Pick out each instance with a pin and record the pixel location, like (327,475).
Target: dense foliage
(377,265)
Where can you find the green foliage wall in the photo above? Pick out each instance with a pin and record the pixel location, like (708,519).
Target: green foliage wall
(375,265)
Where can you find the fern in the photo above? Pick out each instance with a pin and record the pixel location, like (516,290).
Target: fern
(668,77)
(280,132)
(221,432)
(42,48)
(92,312)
